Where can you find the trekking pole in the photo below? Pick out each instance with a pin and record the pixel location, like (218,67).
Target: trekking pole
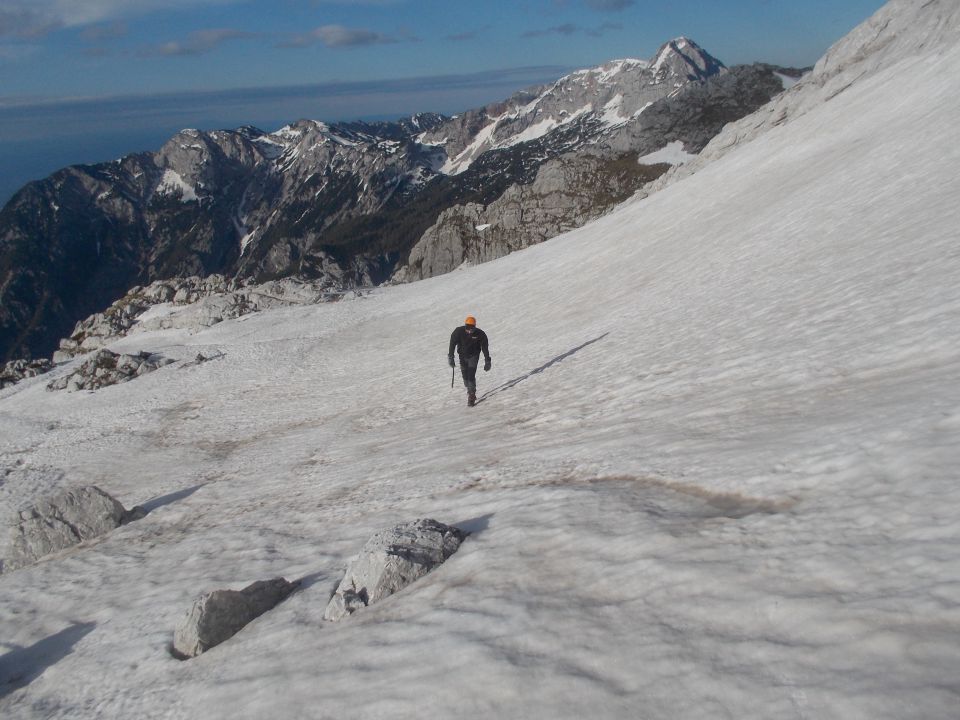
(453,375)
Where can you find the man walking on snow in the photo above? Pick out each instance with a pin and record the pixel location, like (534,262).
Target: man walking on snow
(470,341)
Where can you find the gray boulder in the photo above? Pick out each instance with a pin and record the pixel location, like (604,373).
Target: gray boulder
(390,561)
(106,368)
(217,616)
(16,370)
(62,520)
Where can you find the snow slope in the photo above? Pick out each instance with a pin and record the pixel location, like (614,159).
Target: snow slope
(713,474)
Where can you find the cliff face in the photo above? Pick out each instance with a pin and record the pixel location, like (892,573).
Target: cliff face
(567,193)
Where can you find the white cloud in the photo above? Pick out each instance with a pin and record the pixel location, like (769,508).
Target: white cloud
(200,42)
(35,18)
(24,22)
(609,5)
(358,2)
(338,36)
(106,32)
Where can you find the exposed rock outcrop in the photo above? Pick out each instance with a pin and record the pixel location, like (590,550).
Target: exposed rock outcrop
(16,370)
(212,299)
(219,615)
(109,368)
(390,561)
(210,309)
(64,519)
(102,328)
(567,193)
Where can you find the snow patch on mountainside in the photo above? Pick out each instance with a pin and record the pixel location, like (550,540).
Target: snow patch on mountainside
(271,147)
(613,112)
(544,127)
(672,153)
(480,144)
(610,72)
(787,80)
(172,183)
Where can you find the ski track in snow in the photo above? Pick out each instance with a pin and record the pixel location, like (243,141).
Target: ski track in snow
(713,472)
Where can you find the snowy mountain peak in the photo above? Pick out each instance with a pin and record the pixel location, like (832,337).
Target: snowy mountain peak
(611,94)
(192,161)
(295,132)
(682,57)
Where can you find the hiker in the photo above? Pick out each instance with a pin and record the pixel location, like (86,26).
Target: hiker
(470,341)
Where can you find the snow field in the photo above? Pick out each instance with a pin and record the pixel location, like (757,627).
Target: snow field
(713,472)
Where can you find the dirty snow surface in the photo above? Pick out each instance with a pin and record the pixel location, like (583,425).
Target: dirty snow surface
(713,472)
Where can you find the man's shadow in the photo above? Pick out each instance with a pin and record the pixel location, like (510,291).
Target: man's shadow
(158,502)
(559,358)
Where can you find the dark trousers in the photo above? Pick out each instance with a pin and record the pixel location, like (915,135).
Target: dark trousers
(468,369)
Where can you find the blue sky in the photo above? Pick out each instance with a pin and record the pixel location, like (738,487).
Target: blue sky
(88,80)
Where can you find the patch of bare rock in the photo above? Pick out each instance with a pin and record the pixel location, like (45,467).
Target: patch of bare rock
(105,368)
(61,520)
(218,615)
(16,370)
(200,303)
(390,561)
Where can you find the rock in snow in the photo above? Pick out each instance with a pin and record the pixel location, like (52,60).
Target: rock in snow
(207,301)
(219,615)
(64,519)
(108,368)
(16,370)
(390,561)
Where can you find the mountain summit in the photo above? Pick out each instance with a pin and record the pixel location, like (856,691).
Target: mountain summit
(612,93)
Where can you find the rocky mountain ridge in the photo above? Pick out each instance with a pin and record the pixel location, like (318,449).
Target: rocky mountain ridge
(244,202)
(610,95)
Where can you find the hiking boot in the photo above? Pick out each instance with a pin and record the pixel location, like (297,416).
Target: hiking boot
(471,400)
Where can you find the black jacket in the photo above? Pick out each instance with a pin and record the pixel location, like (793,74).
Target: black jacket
(469,345)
